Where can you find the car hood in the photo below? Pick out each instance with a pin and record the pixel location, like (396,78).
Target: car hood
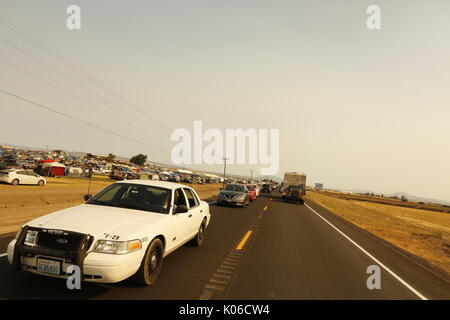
(97,220)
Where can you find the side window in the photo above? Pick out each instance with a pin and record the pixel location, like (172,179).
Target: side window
(179,199)
(193,201)
(22,173)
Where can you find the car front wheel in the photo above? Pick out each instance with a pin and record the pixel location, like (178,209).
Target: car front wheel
(40,183)
(200,237)
(15,182)
(151,264)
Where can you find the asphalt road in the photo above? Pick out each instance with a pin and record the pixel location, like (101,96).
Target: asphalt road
(268,250)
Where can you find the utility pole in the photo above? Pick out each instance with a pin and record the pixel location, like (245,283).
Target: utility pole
(224,170)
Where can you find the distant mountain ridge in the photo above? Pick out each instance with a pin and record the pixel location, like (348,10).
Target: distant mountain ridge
(407,195)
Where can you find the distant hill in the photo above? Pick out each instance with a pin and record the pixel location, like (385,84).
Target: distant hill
(408,196)
(411,197)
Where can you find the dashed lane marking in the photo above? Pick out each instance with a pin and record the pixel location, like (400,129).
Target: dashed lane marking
(244,240)
(220,280)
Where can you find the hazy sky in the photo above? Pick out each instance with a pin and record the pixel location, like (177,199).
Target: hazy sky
(355,108)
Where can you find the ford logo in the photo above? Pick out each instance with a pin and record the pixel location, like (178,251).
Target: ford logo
(61,241)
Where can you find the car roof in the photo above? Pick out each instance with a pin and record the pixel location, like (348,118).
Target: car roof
(156,183)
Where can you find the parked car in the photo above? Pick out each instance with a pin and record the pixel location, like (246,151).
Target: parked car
(16,177)
(123,231)
(234,194)
(174,178)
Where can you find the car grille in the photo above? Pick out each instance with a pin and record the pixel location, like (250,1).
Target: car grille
(63,242)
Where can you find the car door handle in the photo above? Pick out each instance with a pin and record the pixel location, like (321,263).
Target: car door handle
(201,210)
(190,216)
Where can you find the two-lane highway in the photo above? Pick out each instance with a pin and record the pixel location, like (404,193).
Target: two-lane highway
(268,250)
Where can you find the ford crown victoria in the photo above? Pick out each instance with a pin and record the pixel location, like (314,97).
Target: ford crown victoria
(123,231)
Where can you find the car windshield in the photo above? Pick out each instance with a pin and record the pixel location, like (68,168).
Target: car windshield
(134,196)
(235,187)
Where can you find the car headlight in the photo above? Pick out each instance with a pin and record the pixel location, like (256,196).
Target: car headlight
(117,247)
(30,238)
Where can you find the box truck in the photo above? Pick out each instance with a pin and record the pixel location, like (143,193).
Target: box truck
(294,187)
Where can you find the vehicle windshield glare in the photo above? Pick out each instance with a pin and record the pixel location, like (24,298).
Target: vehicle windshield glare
(134,196)
(234,187)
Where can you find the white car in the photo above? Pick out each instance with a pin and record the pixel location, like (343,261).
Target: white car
(124,230)
(15,177)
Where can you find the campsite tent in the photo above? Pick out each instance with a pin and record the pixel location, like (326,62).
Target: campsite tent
(74,171)
(50,168)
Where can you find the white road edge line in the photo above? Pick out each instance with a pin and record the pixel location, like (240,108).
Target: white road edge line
(3,255)
(417,293)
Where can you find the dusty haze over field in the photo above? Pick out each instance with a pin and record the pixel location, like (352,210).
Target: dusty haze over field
(355,108)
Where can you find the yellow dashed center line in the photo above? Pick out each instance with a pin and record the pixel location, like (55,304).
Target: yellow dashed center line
(265,208)
(244,240)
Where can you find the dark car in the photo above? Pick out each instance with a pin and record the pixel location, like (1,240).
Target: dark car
(266,188)
(234,194)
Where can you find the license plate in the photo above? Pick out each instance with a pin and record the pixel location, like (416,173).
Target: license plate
(228,200)
(49,266)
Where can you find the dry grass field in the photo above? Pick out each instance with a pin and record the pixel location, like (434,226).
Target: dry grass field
(19,204)
(423,233)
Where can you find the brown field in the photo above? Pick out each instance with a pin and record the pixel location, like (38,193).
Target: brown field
(423,233)
(392,202)
(19,204)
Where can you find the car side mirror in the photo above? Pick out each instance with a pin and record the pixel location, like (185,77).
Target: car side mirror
(86,197)
(181,209)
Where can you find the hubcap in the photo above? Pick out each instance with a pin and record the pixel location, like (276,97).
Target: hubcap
(154,260)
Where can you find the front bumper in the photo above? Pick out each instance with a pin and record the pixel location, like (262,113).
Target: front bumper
(233,202)
(95,267)
(5,179)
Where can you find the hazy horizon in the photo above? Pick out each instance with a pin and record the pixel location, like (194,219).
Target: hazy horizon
(356,109)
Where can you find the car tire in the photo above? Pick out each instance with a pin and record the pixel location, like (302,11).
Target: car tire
(40,183)
(15,182)
(302,202)
(151,264)
(200,236)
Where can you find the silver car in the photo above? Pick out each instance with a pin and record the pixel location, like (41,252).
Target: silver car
(234,194)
